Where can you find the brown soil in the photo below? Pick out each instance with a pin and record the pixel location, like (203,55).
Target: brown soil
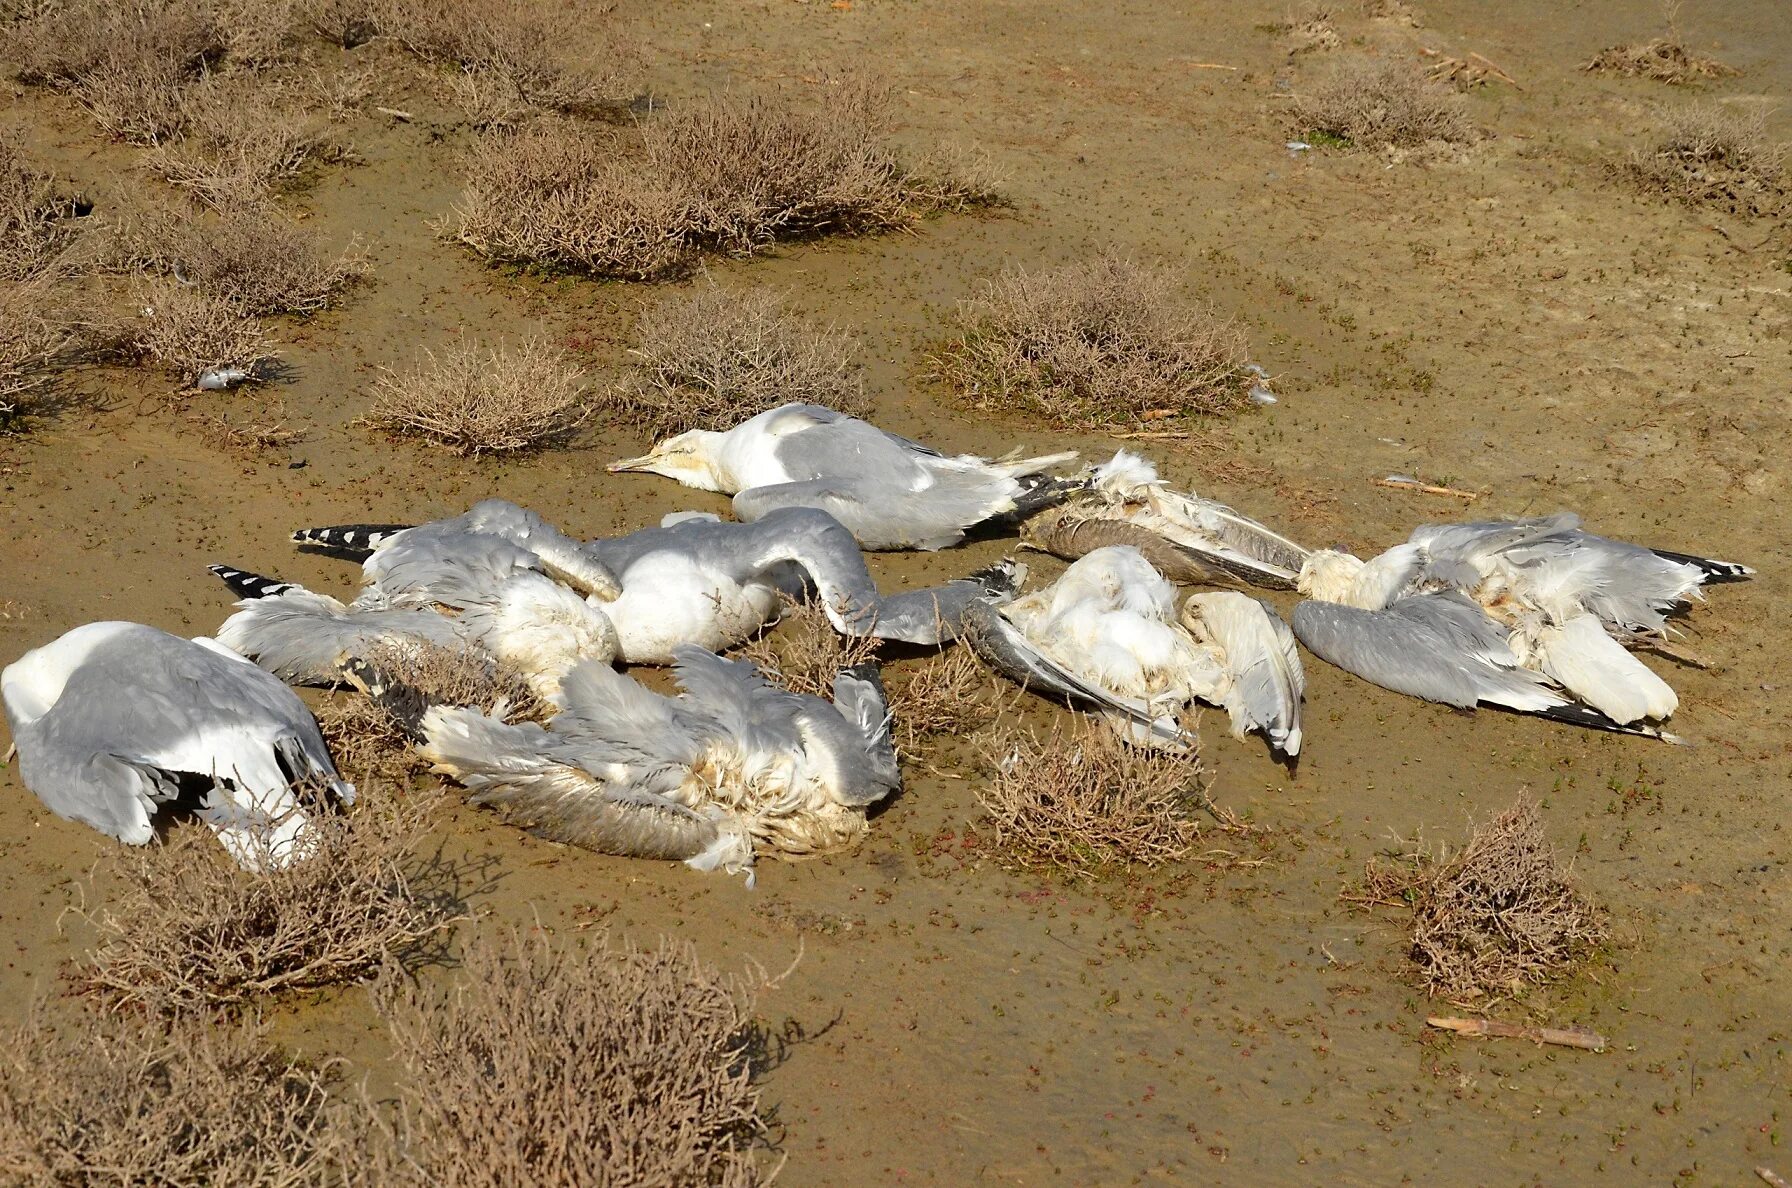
(1507,322)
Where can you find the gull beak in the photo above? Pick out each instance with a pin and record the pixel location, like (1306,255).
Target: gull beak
(10,752)
(644,462)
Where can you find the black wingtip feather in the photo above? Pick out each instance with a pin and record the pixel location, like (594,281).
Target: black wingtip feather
(249,585)
(1042,491)
(1714,571)
(353,539)
(1590,718)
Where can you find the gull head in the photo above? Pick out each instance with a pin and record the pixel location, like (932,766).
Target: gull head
(690,458)
(1329,575)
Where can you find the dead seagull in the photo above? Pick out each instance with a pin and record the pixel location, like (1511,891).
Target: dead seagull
(890,492)
(694,579)
(1188,538)
(731,768)
(110,719)
(445,584)
(1529,615)
(1107,632)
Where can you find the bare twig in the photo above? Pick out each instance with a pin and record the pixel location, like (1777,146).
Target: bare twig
(1772,1177)
(1425,488)
(1566,1037)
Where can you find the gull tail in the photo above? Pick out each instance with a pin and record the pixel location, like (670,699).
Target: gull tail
(357,540)
(244,584)
(1714,571)
(1042,491)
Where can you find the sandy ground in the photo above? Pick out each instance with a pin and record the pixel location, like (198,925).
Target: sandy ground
(1511,322)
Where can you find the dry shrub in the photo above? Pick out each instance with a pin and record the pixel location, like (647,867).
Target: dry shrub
(91,1099)
(804,653)
(485,401)
(1710,155)
(564,1064)
(758,168)
(1095,345)
(36,226)
(727,174)
(711,359)
(251,256)
(265,432)
(192,928)
(512,48)
(1081,799)
(1379,103)
(1499,914)
(128,63)
(347,23)
(188,332)
(950,694)
(1658,59)
(555,195)
(40,337)
(1311,30)
(956,177)
(365,735)
(238,142)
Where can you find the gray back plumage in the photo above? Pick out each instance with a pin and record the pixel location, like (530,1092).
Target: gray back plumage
(1439,647)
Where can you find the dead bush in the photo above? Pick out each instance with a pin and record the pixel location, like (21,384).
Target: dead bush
(1710,155)
(1079,800)
(564,1064)
(92,1099)
(1379,103)
(804,653)
(237,143)
(191,928)
(365,736)
(188,332)
(513,47)
(759,168)
(36,218)
(555,195)
(1095,345)
(266,431)
(949,694)
(347,23)
(1311,29)
(1657,59)
(485,401)
(128,64)
(711,359)
(1492,918)
(254,257)
(40,337)
(728,174)
(954,177)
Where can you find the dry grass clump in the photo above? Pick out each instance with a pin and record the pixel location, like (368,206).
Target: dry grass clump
(1663,59)
(191,928)
(188,332)
(804,653)
(711,359)
(728,174)
(91,1099)
(36,226)
(1658,59)
(1096,344)
(252,256)
(554,195)
(40,336)
(1080,800)
(485,400)
(1311,29)
(1711,155)
(365,734)
(127,63)
(1379,103)
(511,48)
(1496,916)
(237,143)
(563,1064)
(950,694)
